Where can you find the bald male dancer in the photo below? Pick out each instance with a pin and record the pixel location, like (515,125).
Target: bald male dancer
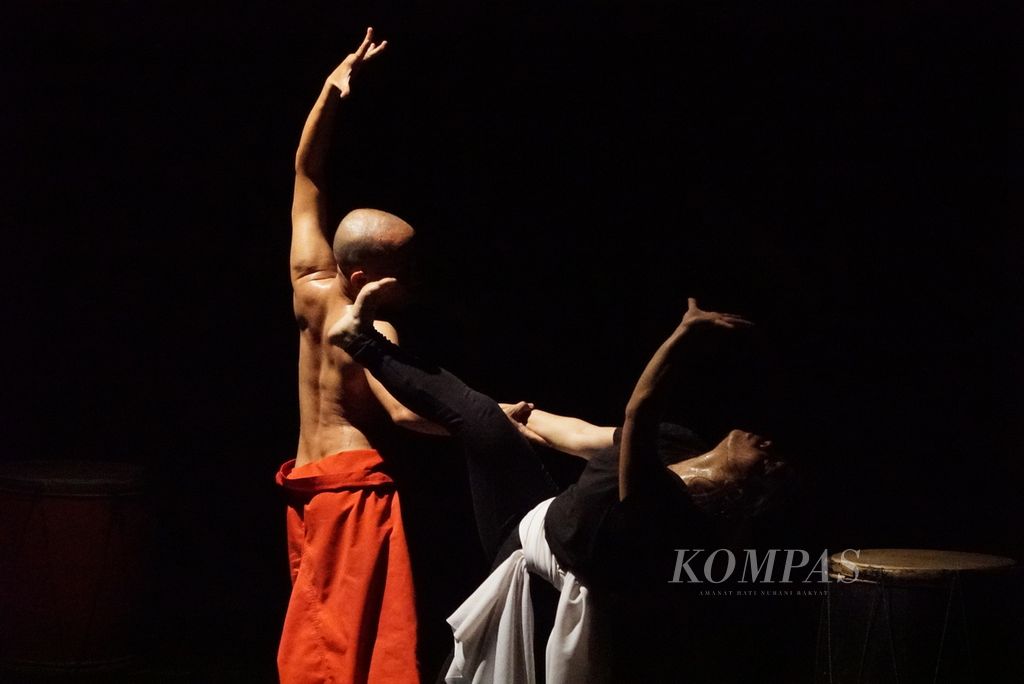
(351,616)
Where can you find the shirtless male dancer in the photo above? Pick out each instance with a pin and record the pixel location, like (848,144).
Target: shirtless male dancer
(351,616)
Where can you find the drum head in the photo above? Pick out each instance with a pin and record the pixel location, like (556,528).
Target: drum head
(912,564)
(917,615)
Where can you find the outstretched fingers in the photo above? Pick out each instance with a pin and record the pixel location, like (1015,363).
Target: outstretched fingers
(368,48)
(735,321)
(726,320)
(375,49)
(367,43)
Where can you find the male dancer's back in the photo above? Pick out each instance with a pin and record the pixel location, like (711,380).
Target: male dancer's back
(351,616)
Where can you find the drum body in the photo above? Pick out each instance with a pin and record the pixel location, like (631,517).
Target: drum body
(909,615)
(71,567)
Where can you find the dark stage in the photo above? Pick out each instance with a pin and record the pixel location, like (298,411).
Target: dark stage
(848,176)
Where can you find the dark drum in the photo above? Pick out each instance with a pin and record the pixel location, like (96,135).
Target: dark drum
(71,535)
(912,615)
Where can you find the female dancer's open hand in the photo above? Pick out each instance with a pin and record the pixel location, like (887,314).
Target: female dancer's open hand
(697,318)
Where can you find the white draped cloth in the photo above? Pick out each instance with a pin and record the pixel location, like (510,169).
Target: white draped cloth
(493,628)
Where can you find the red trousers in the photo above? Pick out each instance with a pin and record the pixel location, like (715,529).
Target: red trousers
(351,617)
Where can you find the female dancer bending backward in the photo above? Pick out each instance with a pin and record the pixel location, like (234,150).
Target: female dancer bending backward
(609,539)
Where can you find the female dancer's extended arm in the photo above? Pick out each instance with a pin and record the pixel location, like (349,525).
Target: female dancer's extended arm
(638,452)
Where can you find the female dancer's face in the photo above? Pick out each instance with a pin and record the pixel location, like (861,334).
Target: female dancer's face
(750,471)
(747,454)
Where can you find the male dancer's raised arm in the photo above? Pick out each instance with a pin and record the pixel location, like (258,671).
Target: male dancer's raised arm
(311,255)
(370,242)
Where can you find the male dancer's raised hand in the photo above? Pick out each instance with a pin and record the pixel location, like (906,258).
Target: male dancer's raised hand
(341,77)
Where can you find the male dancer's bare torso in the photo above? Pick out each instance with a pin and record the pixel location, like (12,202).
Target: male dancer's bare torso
(336,402)
(339,402)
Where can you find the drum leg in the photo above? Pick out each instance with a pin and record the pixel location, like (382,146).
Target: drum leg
(866,642)
(945,628)
(887,603)
(823,647)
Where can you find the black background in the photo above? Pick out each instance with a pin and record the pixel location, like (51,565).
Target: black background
(844,175)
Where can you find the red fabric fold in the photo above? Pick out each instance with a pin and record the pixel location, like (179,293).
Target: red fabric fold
(351,617)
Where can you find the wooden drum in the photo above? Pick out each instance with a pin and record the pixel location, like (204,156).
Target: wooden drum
(71,565)
(911,615)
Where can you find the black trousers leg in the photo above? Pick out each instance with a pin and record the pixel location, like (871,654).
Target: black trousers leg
(506,475)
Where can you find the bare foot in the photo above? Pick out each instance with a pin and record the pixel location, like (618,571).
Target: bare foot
(361,313)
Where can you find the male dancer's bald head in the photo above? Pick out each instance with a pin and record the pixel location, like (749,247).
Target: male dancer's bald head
(371,244)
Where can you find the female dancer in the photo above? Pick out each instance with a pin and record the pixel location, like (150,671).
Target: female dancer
(645,490)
